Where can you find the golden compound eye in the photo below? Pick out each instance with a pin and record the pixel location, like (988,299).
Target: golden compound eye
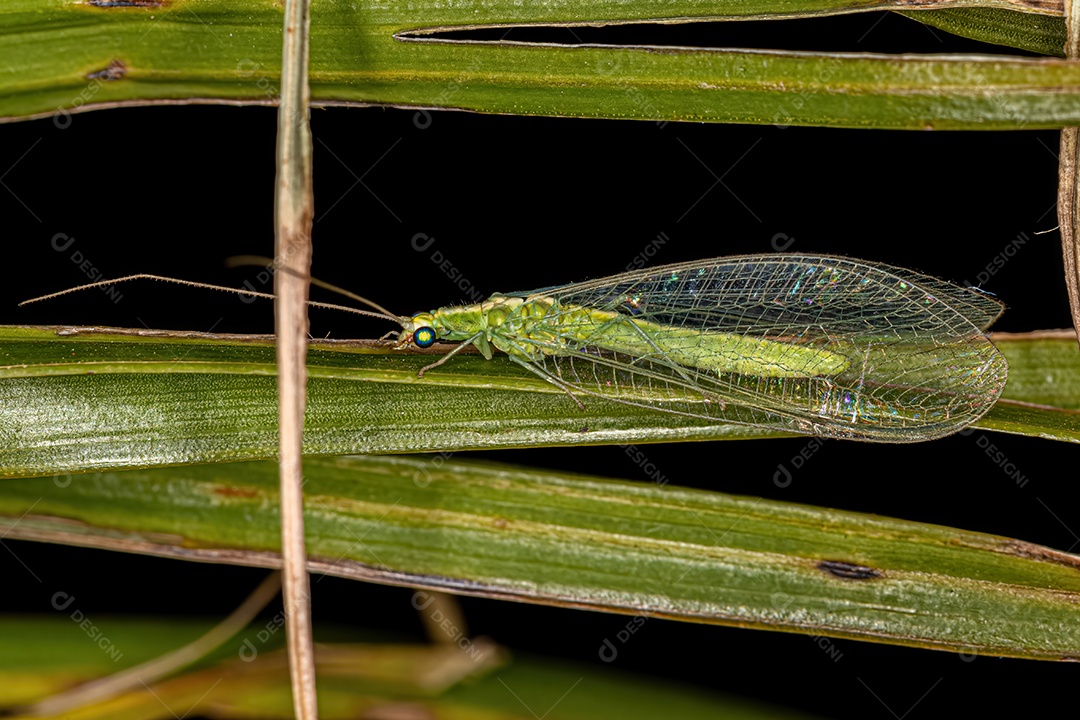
(424,337)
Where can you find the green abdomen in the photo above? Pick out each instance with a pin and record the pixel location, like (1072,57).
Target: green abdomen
(713,351)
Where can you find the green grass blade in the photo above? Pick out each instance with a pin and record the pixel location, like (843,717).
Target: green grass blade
(85,401)
(1043,34)
(1042,398)
(39,655)
(574,541)
(63,57)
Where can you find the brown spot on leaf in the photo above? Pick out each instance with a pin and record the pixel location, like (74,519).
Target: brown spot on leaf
(113,71)
(1031,551)
(127,3)
(237,492)
(848,571)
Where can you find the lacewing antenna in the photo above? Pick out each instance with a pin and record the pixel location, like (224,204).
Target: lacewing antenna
(263,261)
(384,314)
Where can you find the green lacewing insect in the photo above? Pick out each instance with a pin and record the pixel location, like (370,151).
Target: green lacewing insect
(804,343)
(810,344)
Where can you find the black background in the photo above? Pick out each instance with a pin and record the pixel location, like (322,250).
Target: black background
(515,203)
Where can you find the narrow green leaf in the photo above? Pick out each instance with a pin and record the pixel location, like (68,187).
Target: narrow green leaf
(76,400)
(582,542)
(1043,34)
(39,654)
(63,57)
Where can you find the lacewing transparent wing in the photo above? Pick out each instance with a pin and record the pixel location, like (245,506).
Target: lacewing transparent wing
(810,344)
